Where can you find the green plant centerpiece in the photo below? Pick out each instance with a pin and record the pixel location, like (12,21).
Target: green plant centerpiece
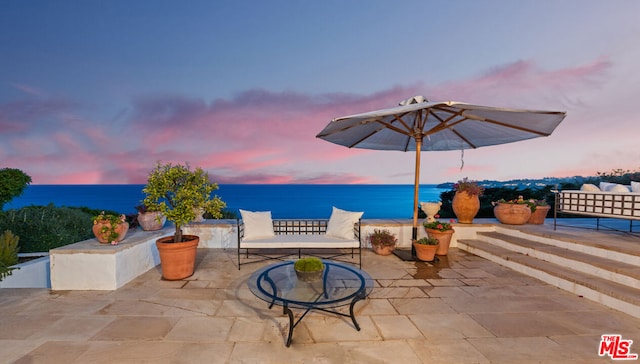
(383,242)
(176,191)
(110,228)
(309,269)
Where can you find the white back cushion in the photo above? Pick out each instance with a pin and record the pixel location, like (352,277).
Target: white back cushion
(341,223)
(635,186)
(588,187)
(257,224)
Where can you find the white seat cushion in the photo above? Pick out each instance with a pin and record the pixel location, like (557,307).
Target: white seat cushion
(299,241)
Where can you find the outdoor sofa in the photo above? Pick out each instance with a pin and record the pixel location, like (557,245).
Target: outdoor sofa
(261,236)
(608,200)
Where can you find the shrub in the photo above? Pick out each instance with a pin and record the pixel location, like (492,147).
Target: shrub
(42,228)
(8,253)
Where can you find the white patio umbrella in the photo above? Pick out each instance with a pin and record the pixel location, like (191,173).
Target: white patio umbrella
(418,124)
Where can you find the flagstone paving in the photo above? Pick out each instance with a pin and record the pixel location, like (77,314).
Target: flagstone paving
(463,309)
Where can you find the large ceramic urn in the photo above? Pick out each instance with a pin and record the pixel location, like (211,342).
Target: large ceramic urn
(465,206)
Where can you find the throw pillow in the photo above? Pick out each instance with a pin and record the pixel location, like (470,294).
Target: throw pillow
(588,187)
(619,189)
(341,223)
(635,186)
(606,186)
(257,224)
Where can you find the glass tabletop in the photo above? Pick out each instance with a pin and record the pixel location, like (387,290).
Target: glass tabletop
(340,284)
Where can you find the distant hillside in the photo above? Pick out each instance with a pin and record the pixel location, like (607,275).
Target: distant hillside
(531,183)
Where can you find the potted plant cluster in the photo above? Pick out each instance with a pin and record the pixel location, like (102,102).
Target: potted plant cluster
(109,228)
(426,248)
(441,231)
(466,201)
(309,269)
(383,242)
(150,220)
(175,191)
(513,212)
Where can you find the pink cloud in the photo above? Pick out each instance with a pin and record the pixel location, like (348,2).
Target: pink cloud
(257,136)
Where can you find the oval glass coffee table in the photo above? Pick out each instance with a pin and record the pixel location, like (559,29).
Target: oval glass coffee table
(340,285)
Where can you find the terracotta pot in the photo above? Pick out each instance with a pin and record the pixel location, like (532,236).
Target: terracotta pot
(444,239)
(383,249)
(538,216)
(177,260)
(511,213)
(426,253)
(150,221)
(465,206)
(102,230)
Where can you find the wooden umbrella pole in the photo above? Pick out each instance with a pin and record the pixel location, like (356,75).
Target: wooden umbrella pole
(416,188)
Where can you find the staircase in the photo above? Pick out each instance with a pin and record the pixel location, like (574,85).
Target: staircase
(605,270)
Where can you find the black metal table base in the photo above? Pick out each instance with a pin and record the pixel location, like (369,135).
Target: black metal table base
(286,310)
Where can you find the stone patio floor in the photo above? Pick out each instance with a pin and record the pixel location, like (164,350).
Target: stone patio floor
(464,309)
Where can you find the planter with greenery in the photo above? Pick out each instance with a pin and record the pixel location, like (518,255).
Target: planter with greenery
(175,191)
(426,249)
(466,201)
(309,269)
(442,232)
(539,212)
(110,229)
(513,212)
(383,242)
(150,220)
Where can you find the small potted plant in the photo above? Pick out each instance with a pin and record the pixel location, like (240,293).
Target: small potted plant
(466,201)
(538,212)
(175,191)
(382,241)
(513,212)
(150,220)
(109,228)
(309,269)
(442,231)
(426,248)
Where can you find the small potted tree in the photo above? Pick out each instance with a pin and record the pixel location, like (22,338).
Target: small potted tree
(175,190)
(382,241)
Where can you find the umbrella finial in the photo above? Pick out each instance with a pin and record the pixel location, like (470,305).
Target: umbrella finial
(413,100)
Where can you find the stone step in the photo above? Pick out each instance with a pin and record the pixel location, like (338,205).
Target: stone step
(593,287)
(611,269)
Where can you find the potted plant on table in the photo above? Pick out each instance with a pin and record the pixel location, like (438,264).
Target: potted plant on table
(175,190)
(382,241)
(150,220)
(513,212)
(309,269)
(426,248)
(109,228)
(466,201)
(442,231)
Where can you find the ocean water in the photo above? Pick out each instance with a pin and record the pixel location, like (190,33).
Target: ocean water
(284,201)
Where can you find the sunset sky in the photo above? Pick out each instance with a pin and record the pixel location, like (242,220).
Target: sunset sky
(96,92)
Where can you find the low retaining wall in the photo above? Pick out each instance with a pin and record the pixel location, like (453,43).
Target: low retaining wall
(31,274)
(89,265)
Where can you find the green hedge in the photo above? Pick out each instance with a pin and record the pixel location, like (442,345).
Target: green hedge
(42,228)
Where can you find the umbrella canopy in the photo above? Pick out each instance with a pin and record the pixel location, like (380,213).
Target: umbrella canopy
(418,124)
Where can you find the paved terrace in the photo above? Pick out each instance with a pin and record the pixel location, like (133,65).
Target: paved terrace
(463,309)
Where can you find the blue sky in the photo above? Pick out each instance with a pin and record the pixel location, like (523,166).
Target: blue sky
(98,91)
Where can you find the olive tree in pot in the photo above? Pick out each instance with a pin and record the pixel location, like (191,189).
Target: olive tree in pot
(175,191)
